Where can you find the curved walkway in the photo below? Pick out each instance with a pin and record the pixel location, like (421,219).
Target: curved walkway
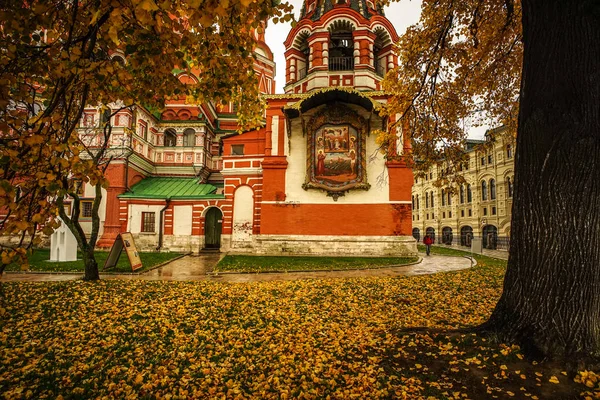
(197,268)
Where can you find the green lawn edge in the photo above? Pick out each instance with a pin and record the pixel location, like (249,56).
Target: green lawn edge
(254,264)
(39,262)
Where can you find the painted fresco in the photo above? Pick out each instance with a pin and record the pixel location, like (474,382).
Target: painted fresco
(336,147)
(335,158)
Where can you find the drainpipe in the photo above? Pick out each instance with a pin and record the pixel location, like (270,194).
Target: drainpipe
(161,224)
(129,151)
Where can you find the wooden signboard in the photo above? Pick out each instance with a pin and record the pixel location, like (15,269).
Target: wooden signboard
(123,240)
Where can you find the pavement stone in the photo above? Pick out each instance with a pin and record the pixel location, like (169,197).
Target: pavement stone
(197,267)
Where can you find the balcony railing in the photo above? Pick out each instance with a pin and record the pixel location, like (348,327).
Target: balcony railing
(341,63)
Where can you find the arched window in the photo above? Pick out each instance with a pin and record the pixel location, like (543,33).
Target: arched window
(449,198)
(413,202)
(509,152)
(469,194)
(302,63)
(443,198)
(341,49)
(462,194)
(509,186)
(416,234)
(432,199)
(492,189)
(189,137)
(170,138)
(483,190)
(426,200)
(417,202)
(382,40)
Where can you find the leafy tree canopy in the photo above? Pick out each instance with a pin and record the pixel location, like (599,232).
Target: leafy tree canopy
(460,66)
(58,56)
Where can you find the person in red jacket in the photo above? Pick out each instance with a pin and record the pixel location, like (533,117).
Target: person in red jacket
(428,241)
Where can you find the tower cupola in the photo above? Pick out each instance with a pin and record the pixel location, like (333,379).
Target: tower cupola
(339,43)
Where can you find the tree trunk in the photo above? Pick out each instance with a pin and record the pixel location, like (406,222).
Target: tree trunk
(551,298)
(91,265)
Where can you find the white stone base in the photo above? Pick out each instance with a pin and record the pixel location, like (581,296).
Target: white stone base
(369,246)
(182,243)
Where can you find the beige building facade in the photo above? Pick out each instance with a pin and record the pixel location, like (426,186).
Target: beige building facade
(481,207)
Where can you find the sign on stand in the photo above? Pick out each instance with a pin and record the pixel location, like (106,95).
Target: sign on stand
(123,240)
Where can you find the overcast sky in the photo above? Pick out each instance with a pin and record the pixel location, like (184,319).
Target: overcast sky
(401,15)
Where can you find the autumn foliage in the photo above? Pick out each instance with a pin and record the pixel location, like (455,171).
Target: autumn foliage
(59,56)
(459,67)
(308,339)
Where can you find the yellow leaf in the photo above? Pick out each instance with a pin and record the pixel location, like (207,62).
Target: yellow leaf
(148,5)
(553,379)
(113,34)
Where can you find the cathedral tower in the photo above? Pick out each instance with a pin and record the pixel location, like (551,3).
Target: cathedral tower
(339,43)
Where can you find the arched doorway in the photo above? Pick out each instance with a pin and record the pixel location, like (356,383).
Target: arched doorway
(431,232)
(213,224)
(416,234)
(466,234)
(447,235)
(490,237)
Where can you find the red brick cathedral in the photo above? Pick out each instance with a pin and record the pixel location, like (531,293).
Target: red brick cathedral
(311,181)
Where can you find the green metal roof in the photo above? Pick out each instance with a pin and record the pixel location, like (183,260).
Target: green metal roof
(173,188)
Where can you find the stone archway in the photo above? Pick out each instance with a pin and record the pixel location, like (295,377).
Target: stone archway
(466,234)
(416,234)
(447,235)
(490,237)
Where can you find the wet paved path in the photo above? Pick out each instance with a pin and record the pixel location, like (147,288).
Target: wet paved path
(195,268)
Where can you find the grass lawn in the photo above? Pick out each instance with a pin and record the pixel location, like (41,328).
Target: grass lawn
(38,261)
(339,338)
(241,263)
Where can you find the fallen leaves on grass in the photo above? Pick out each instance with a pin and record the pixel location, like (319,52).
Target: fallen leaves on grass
(341,338)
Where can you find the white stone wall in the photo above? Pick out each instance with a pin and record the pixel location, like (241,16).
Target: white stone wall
(296,170)
(134,225)
(183,244)
(374,246)
(182,220)
(243,213)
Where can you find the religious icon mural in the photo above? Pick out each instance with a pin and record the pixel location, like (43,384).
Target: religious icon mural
(336,153)
(336,147)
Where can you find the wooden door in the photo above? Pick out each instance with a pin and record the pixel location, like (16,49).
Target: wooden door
(213,224)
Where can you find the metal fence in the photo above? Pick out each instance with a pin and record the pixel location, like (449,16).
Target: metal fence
(341,63)
(491,242)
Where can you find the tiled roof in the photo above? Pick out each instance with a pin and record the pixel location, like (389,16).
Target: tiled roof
(173,188)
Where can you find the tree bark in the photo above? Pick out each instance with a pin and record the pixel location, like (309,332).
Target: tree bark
(91,265)
(551,298)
